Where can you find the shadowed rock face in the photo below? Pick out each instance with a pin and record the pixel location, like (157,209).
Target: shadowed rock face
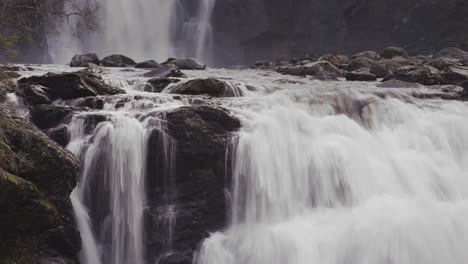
(201,135)
(245,30)
(36,178)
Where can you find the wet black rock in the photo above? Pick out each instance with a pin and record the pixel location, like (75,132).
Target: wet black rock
(360,75)
(423,74)
(147,64)
(360,62)
(442,63)
(156,85)
(455,74)
(84,60)
(335,60)
(316,67)
(391,52)
(50,116)
(90,102)
(295,70)
(117,61)
(60,134)
(168,70)
(64,86)
(201,135)
(36,179)
(312,68)
(35,94)
(210,86)
(386,67)
(187,63)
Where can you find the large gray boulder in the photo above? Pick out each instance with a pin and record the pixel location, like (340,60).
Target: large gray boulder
(187,63)
(423,74)
(84,60)
(212,87)
(117,60)
(66,86)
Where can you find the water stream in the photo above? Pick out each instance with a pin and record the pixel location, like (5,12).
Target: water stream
(322,172)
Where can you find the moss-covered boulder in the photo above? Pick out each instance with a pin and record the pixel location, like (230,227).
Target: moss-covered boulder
(36,178)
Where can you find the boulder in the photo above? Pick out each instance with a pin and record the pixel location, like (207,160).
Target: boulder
(367,54)
(156,85)
(90,102)
(147,64)
(390,52)
(455,74)
(314,68)
(35,94)
(200,136)
(49,116)
(64,86)
(423,74)
(187,63)
(36,179)
(452,52)
(168,70)
(464,85)
(359,62)
(442,63)
(360,75)
(84,60)
(398,84)
(386,67)
(295,70)
(325,76)
(212,87)
(117,61)
(335,60)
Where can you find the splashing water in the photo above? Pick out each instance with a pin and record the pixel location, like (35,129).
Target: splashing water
(313,183)
(322,172)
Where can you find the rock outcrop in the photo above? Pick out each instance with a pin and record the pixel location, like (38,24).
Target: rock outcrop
(84,60)
(117,61)
(36,179)
(212,87)
(66,86)
(187,63)
(202,135)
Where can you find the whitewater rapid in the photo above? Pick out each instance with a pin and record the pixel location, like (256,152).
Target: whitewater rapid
(322,172)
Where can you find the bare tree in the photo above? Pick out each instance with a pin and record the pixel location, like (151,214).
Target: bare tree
(32,20)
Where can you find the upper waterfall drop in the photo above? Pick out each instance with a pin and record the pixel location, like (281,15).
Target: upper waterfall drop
(142,30)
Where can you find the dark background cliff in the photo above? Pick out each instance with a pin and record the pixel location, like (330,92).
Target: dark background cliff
(250,30)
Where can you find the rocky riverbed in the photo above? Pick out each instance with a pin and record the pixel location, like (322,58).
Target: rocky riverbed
(61,126)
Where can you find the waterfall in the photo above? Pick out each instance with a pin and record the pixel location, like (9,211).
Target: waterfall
(346,178)
(319,172)
(140,29)
(111,186)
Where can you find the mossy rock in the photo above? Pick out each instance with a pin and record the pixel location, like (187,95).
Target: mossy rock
(36,178)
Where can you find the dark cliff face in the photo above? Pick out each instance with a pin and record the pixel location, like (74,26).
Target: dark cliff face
(264,29)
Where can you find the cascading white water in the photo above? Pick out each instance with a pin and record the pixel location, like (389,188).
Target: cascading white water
(140,29)
(117,154)
(322,172)
(311,185)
